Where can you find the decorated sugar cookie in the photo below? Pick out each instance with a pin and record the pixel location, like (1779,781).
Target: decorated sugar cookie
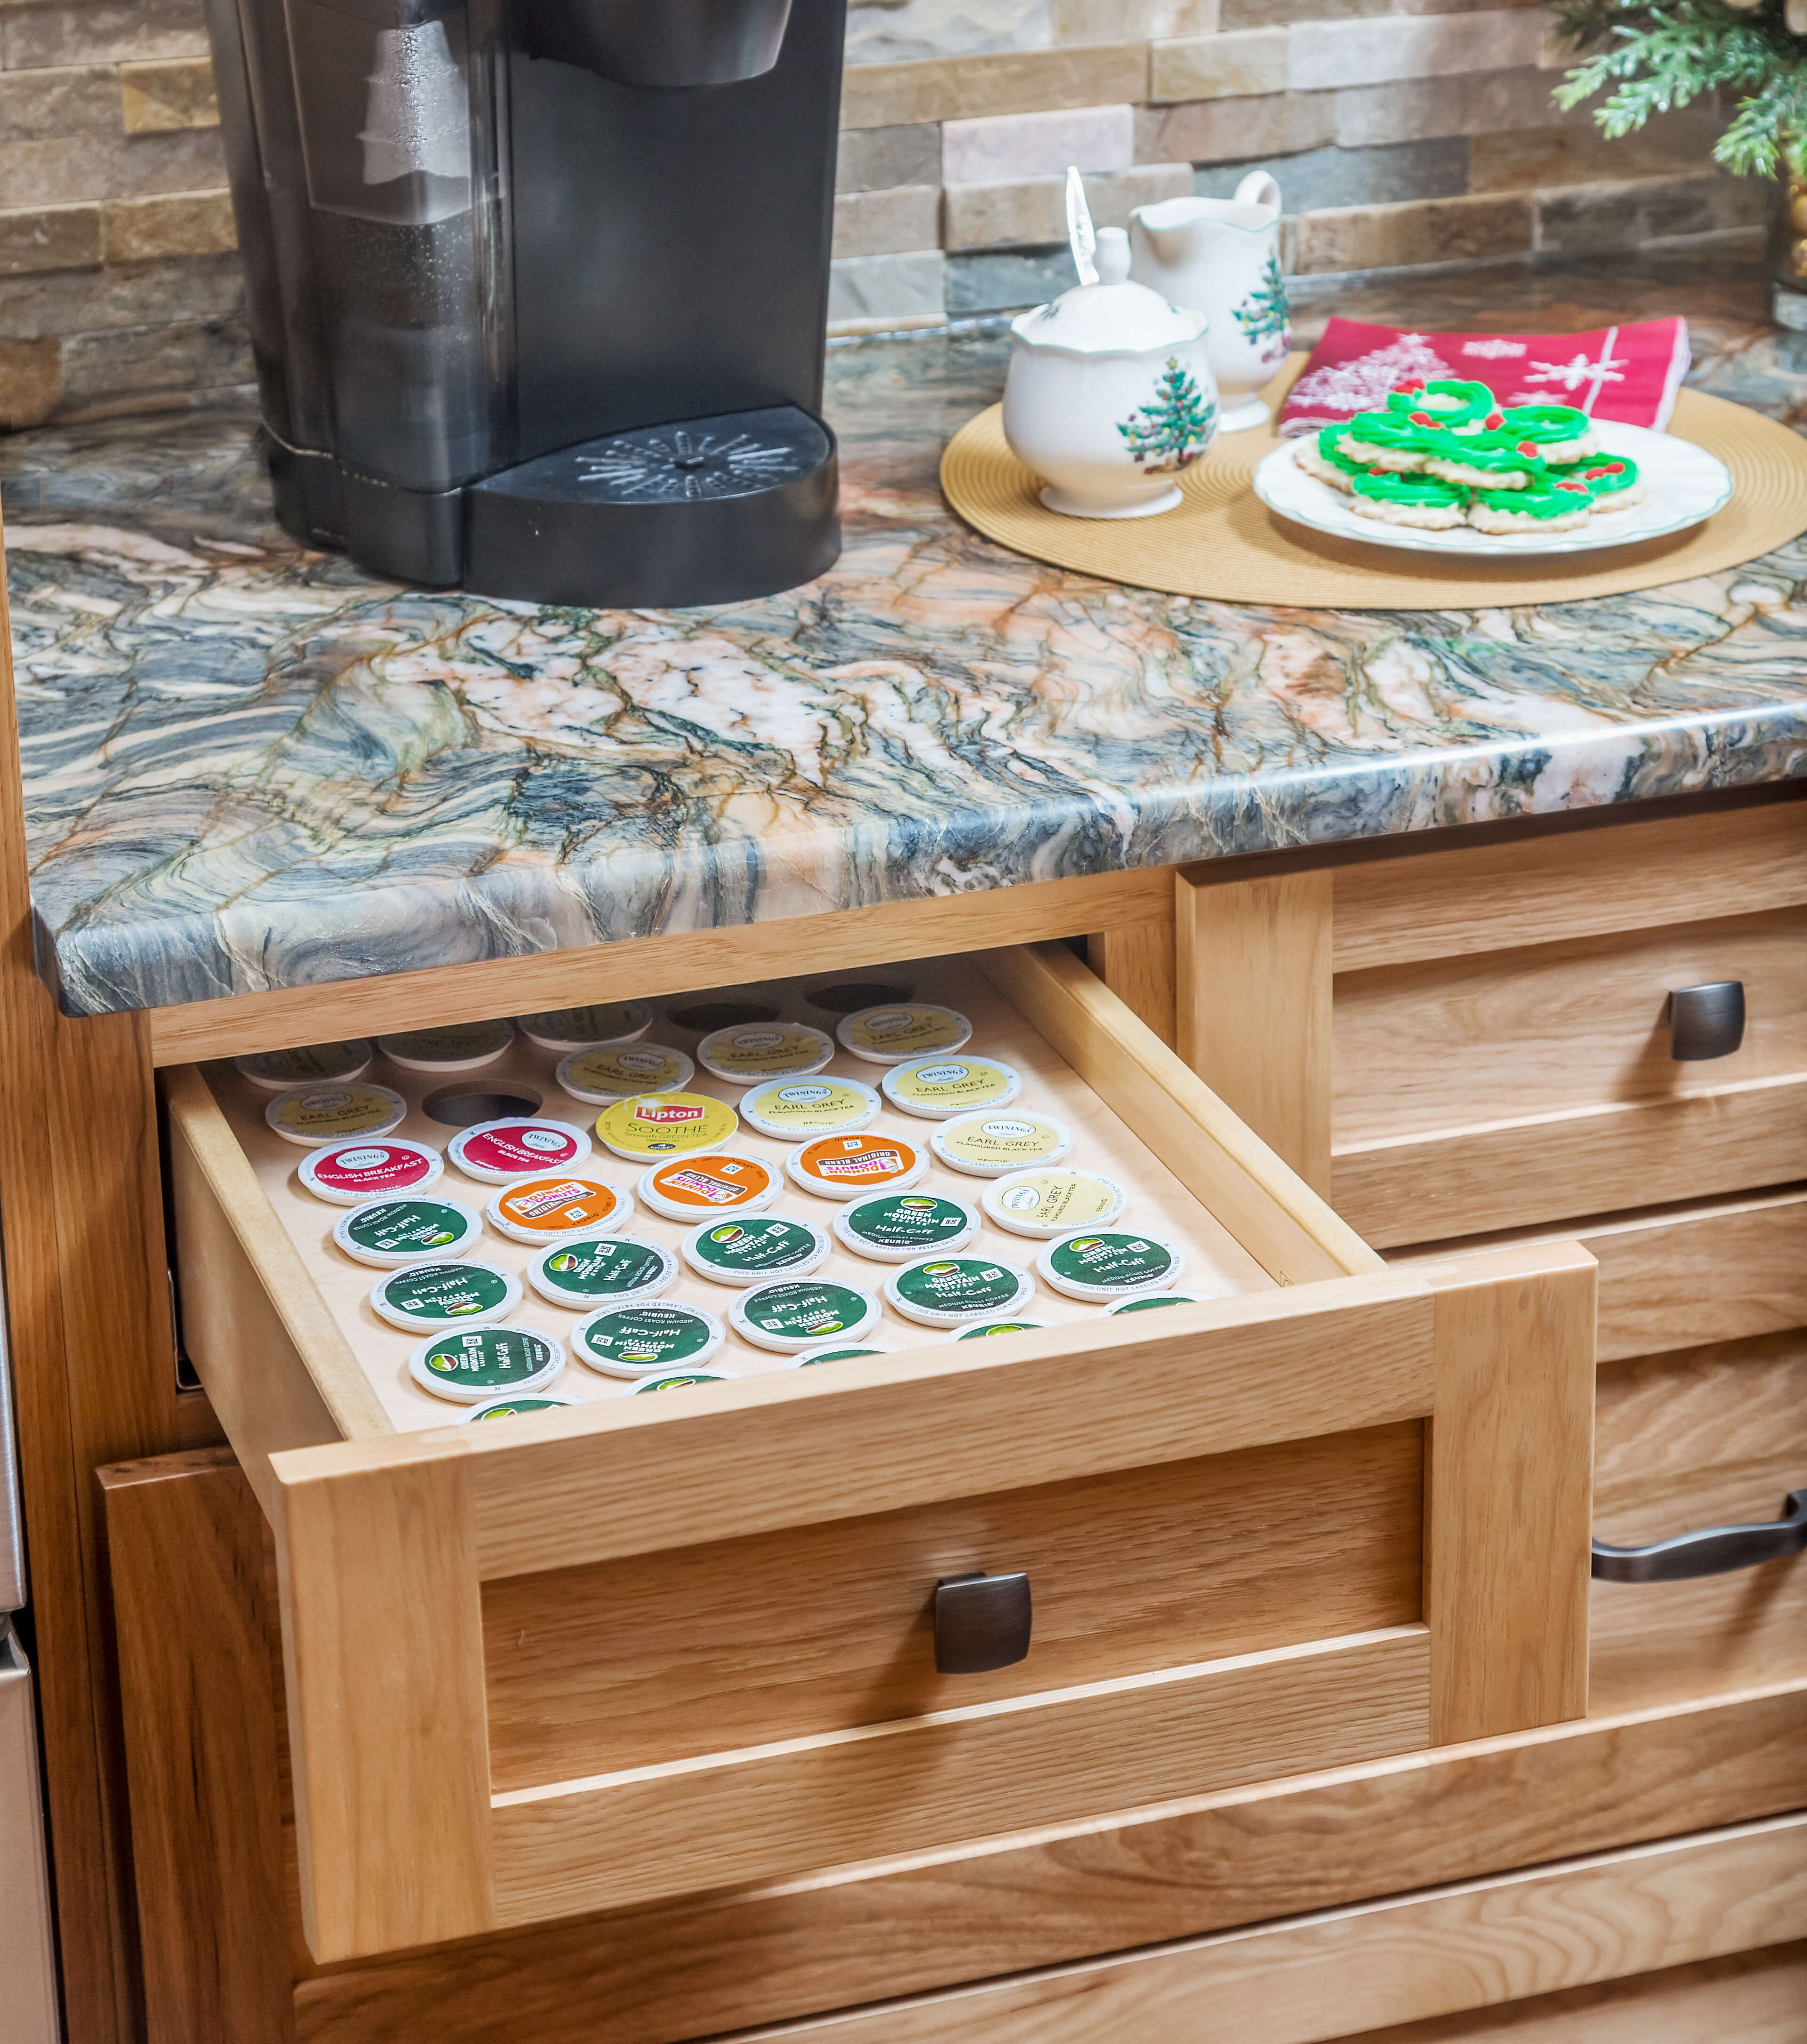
(1398,440)
(1323,455)
(1488,461)
(1459,407)
(1559,433)
(1614,481)
(1395,499)
(1551,507)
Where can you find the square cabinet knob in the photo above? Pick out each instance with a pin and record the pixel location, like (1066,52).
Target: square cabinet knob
(1706,1021)
(981,1622)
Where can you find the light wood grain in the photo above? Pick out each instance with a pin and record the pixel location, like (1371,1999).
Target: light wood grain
(745,1642)
(1699,1438)
(1452,902)
(641,968)
(1679,1276)
(952,1774)
(1509,1502)
(185,1549)
(1253,1008)
(1135,961)
(278,1370)
(1516,1173)
(1560,1026)
(1409,1957)
(1268,1207)
(383,1656)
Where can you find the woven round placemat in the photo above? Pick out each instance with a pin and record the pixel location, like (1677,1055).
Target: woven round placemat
(1224,543)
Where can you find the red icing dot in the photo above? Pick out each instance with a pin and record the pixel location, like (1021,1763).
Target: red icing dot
(1611,468)
(1421,419)
(1528,447)
(1495,421)
(1580,488)
(1406,389)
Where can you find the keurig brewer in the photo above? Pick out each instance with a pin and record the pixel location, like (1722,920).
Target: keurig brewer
(538,288)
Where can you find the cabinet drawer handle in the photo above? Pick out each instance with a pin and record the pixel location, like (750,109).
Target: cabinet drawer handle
(1706,1021)
(981,1622)
(1713,1551)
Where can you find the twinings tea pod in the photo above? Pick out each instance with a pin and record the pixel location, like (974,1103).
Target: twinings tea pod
(307,1064)
(893,1227)
(1105,1263)
(348,1173)
(520,1147)
(648,1338)
(798,1108)
(981,1330)
(748,1251)
(945,1291)
(937,1088)
(666,1124)
(473,1365)
(987,1144)
(802,1313)
(609,1072)
(459,1046)
(842,1167)
(603,1269)
(1143,1300)
(894,1033)
(426,1296)
(690,1188)
(553,1208)
(751,1051)
(563,1029)
(314,1115)
(516,1408)
(391,1232)
(681,1379)
(833,1352)
(1046,1203)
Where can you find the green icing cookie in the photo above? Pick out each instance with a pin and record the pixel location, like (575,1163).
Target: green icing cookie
(1427,493)
(1542,500)
(1331,445)
(1606,475)
(1392,432)
(1487,454)
(1455,405)
(1546,426)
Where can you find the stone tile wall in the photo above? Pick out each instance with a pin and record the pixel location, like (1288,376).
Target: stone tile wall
(1402,132)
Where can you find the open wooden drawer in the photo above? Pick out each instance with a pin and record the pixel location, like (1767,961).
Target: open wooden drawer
(655,1646)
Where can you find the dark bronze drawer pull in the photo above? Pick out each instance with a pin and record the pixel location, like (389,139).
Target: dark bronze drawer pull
(1713,1551)
(982,1621)
(1706,1021)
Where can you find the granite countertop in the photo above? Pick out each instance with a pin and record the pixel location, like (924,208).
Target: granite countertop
(248,767)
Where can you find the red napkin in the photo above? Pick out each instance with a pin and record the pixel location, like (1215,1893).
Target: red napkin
(1627,373)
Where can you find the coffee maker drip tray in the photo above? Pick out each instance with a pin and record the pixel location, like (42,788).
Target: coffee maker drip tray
(709,510)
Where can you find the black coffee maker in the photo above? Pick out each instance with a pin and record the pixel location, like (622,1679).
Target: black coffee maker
(538,288)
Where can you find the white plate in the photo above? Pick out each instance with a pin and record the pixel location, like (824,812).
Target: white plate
(1686,485)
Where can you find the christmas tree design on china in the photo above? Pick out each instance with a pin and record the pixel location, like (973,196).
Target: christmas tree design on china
(1109,394)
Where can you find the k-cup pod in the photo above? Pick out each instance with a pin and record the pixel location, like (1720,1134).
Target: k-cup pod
(1043,1203)
(681,1379)
(843,1167)
(424,1297)
(751,1051)
(602,1270)
(306,1065)
(519,1147)
(346,1174)
(798,1313)
(476,1365)
(983,1330)
(898,1227)
(937,1088)
(947,1291)
(894,1033)
(606,1073)
(1103,1264)
(390,1233)
(989,1142)
(654,1126)
(313,1116)
(647,1339)
(516,1408)
(1139,1302)
(693,1188)
(459,1046)
(554,1208)
(797,1110)
(568,1029)
(834,1352)
(750,1251)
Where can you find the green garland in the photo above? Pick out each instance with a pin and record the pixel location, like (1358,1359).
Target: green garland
(1658,56)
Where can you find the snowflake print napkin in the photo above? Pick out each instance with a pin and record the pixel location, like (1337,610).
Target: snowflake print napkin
(1627,373)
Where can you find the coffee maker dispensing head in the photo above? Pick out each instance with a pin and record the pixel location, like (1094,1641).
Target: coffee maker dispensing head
(538,288)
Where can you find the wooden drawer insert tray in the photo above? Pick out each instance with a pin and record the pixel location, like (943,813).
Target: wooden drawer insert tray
(653,1645)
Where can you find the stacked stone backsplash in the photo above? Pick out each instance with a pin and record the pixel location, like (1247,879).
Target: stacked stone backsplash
(1402,132)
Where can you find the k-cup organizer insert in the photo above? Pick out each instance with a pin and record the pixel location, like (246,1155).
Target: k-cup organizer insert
(457,1047)
(307,1064)
(568,1029)
(735,1171)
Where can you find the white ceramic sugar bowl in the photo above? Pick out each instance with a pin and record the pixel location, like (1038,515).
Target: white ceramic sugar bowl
(1110,393)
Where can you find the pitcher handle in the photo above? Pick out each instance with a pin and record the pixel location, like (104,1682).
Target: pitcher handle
(1259,188)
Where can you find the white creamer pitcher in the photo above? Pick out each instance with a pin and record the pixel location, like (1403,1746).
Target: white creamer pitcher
(1221,257)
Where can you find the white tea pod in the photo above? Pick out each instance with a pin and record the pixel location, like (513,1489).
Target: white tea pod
(937,1088)
(895,1034)
(1043,1203)
(306,1064)
(568,1029)
(313,1116)
(606,1073)
(459,1047)
(989,1143)
(751,1051)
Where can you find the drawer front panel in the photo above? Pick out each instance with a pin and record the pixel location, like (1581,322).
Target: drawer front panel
(827,1628)
(1699,1438)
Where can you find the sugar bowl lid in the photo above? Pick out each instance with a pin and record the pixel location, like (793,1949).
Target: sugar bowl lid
(1113,317)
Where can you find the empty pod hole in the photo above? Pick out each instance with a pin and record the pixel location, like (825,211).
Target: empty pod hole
(847,997)
(464,1106)
(700,1016)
